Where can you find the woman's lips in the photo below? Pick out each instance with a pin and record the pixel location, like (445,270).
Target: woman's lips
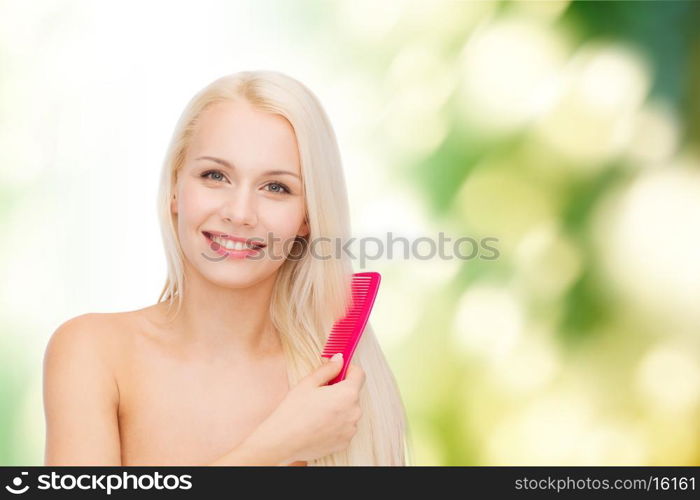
(231,253)
(254,242)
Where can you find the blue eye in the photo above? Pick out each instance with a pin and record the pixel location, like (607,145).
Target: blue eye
(219,176)
(281,186)
(206,174)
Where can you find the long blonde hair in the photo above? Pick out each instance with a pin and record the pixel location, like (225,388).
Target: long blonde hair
(309,294)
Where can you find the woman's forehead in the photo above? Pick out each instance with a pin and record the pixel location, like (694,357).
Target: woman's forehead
(246,137)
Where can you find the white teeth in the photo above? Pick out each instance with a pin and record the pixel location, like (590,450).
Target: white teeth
(235,245)
(230,245)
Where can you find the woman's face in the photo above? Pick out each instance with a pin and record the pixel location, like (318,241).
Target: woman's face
(241,178)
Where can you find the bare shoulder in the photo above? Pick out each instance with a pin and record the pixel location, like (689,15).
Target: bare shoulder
(95,341)
(86,345)
(106,335)
(96,332)
(81,388)
(107,328)
(99,322)
(81,394)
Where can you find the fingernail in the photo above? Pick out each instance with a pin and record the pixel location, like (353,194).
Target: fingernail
(338,356)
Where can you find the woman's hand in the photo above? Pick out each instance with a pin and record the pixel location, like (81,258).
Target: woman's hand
(314,419)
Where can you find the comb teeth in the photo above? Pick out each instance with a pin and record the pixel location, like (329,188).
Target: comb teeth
(346,332)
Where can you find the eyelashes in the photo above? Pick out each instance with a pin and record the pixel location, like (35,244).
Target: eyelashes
(282,186)
(207,175)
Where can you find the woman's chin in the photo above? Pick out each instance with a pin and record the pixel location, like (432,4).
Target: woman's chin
(237,277)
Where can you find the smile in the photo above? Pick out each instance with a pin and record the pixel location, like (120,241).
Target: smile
(225,245)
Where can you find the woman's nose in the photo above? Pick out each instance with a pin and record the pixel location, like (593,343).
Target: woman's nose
(241,208)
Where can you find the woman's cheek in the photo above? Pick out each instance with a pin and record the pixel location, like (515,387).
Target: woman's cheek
(284,232)
(286,217)
(197,202)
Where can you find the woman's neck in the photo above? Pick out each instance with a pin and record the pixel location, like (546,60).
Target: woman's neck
(215,319)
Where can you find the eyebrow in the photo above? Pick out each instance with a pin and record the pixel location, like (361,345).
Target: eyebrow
(227,164)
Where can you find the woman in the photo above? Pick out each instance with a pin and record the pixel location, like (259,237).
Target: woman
(225,368)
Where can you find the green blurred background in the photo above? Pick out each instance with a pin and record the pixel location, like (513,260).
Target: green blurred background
(567,130)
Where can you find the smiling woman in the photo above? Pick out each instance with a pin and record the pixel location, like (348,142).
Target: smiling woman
(225,368)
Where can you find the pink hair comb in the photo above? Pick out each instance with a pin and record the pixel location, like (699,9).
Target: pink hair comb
(346,332)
